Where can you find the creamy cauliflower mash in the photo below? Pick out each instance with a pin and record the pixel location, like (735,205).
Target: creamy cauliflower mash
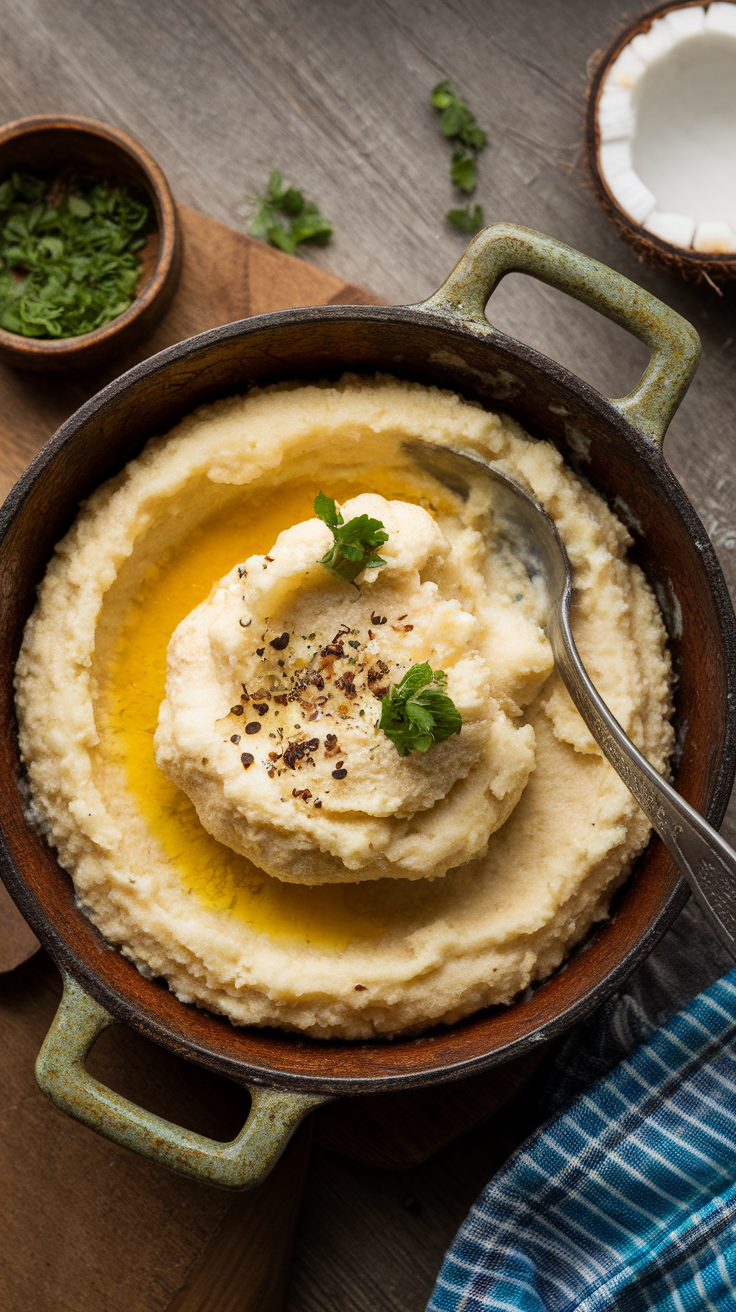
(201,710)
(299,778)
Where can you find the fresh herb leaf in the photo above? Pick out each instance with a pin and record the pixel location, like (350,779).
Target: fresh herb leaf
(465,220)
(326,510)
(355,543)
(463,171)
(78,207)
(285,219)
(309,225)
(458,124)
(414,715)
(456,120)
(69,267)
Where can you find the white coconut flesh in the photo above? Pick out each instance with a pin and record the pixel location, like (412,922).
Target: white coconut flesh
(667,128)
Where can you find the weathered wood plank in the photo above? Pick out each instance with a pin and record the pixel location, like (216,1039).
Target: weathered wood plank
(245,1266)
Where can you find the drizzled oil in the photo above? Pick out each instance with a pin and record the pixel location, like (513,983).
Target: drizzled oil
(327,916)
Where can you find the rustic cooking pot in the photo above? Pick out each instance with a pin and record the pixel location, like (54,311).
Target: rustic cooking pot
(615,444)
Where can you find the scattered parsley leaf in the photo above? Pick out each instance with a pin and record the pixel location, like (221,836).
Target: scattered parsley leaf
(463,171)
(458,124)
(284,218)
(68,265)
(355,542)
(456,120)
(414,715)
(466,220)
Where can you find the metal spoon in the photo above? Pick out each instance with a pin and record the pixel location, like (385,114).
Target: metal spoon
(700,854)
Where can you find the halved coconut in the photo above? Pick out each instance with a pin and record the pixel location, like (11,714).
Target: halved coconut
(661,137)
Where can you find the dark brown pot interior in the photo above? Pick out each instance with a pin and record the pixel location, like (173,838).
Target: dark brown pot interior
(671,545)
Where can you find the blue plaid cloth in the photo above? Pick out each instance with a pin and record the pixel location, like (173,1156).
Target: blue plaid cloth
(627,1200)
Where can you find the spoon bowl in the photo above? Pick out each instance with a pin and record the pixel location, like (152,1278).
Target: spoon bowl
(701,855)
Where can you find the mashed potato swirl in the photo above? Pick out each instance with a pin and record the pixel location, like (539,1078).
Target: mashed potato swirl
(297,775)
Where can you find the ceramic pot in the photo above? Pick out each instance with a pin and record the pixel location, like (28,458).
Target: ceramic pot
(615,444)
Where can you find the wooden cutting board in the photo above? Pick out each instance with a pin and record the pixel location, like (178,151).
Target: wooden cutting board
(87,1225)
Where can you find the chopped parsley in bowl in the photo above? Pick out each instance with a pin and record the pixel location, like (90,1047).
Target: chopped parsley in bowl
(90,249)
(69,253)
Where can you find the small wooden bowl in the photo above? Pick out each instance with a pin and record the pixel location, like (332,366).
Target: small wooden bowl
(47,144)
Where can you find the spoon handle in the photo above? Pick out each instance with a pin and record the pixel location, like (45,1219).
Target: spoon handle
(704,859)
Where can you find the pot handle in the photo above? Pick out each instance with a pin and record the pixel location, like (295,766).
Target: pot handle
(507,248)
(244,1162)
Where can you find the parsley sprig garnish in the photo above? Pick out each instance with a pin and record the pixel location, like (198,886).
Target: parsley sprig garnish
(458,124)
(414,715)
(284,218)
(354,547)
(68,261)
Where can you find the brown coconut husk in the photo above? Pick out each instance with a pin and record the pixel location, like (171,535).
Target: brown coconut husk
(695,266)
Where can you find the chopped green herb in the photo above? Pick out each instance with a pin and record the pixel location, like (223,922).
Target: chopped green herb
(463,171)
(68,261)
(355,542)
(284,218)
(415,715)
(456,120)
(458,124)
(466,220)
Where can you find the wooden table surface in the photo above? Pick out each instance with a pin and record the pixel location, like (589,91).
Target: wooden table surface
(335,93)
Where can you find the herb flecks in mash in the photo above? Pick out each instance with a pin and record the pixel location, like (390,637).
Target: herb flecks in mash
(284,218)
(416,714)
(355,544)
(68,261)
(458,124)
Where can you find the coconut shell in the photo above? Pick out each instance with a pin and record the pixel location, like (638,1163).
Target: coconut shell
(695,266)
